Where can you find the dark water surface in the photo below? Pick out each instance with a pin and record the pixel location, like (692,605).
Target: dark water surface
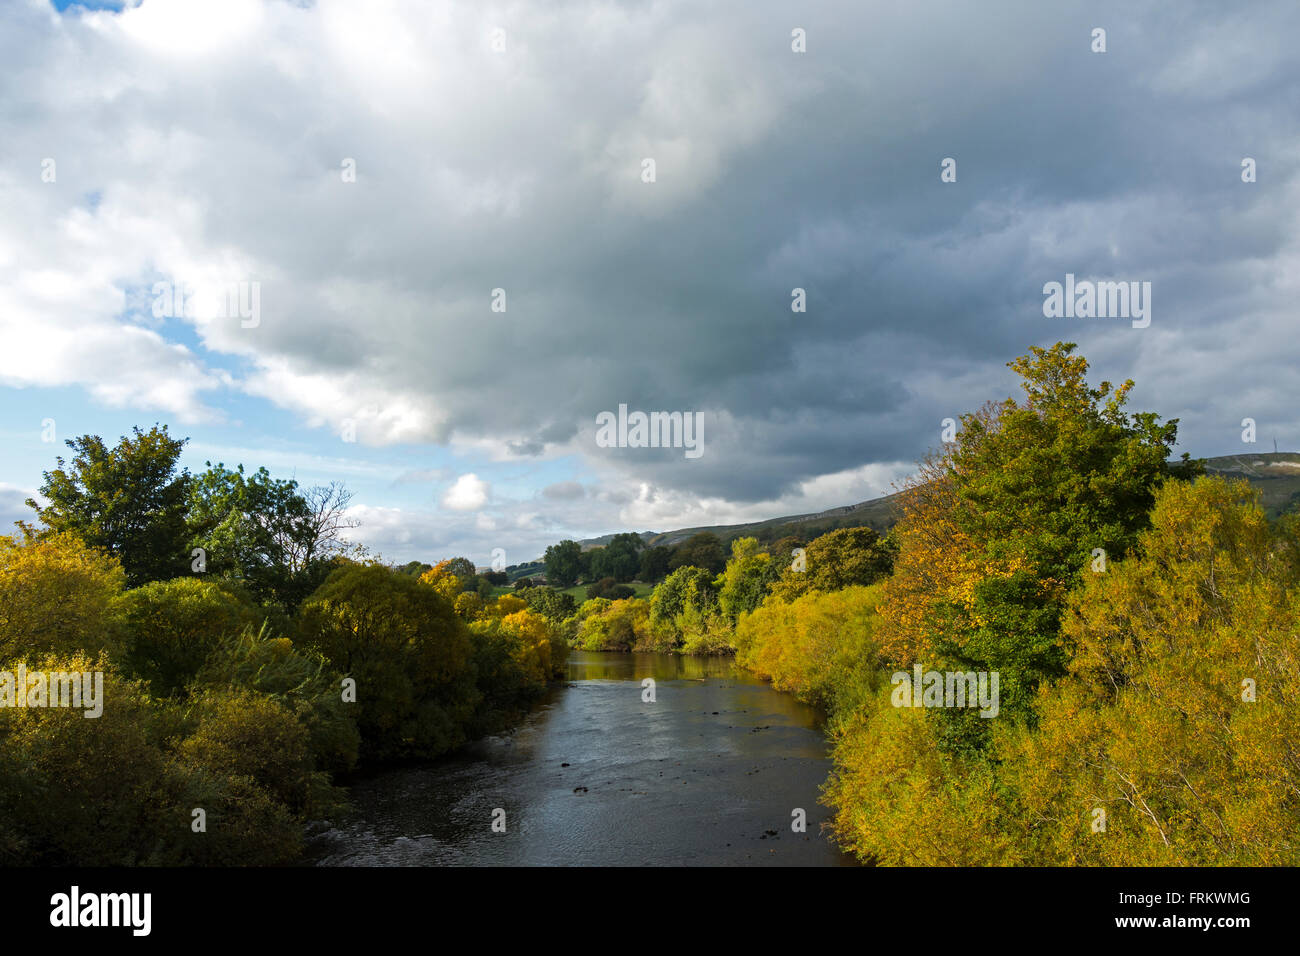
(701,776)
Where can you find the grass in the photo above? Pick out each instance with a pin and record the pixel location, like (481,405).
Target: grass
(579,591)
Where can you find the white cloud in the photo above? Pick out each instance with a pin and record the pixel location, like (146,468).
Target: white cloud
(468,493)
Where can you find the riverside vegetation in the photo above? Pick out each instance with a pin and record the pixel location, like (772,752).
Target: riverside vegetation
(1143,620)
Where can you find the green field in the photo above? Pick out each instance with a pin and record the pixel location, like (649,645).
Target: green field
(579,591)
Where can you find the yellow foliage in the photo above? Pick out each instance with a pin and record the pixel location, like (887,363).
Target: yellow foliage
(531,634)
(55,595)
(441,579)
(508,604)
(813,645)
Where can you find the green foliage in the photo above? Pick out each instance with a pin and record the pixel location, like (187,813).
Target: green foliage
(620,559)
(744,583)
(170,628)
(245,825)
(687,587)
(819,646)
(621,625)
(296,677)
(244,734)
(703,550)
(206,708)
(1066,471)
(75,789)
(127,500)
(838,559)
(563,563)
(1177,719)
(408,652)
(654,564)
(555,606)
(611,589)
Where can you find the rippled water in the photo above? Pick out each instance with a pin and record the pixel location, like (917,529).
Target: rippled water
(707,774)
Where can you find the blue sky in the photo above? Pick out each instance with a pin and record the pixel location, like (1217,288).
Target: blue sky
(499,146)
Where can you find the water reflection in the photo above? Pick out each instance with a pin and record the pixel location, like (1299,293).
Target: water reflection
(707,774)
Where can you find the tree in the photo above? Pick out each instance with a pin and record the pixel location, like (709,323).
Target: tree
(1182,707)
(703,550)
(683,609)
(654,564)
(172,626)
(244,734)
(553,605)
(253,530)
(819,646)
(129,500)
(320,532)
(744,582)
(75,791)
(563,563)
(609,588)
(615,625)
(838,559)
(56,596)
(620,559)
(302,680)
(997,528)
(451,577)
(408,652)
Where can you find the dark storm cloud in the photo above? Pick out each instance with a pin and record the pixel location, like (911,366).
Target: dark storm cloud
(775,170)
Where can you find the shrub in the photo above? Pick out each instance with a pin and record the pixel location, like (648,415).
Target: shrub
(170,628)
(56,596)
(408,652)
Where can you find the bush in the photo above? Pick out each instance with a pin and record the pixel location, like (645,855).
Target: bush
(243,734)
(408,652)
(170,628)
(610,588)
(819,646)
(76,790)
(615,625)
(55,596)
(298,678)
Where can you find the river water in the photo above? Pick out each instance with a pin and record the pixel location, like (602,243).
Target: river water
(708,774)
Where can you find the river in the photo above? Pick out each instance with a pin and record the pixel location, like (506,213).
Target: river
(708,774)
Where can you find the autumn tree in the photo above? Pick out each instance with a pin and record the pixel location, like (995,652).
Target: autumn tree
(56,595)
(407,651)
(1180,715)
(998,527)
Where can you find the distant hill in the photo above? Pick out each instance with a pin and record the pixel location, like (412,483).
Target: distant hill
(1275,474)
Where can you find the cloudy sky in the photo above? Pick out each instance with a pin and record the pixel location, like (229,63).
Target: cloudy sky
(374,171)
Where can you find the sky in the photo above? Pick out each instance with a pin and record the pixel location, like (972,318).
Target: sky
(449,254)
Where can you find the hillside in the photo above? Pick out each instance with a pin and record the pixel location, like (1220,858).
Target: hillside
(1275,474)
